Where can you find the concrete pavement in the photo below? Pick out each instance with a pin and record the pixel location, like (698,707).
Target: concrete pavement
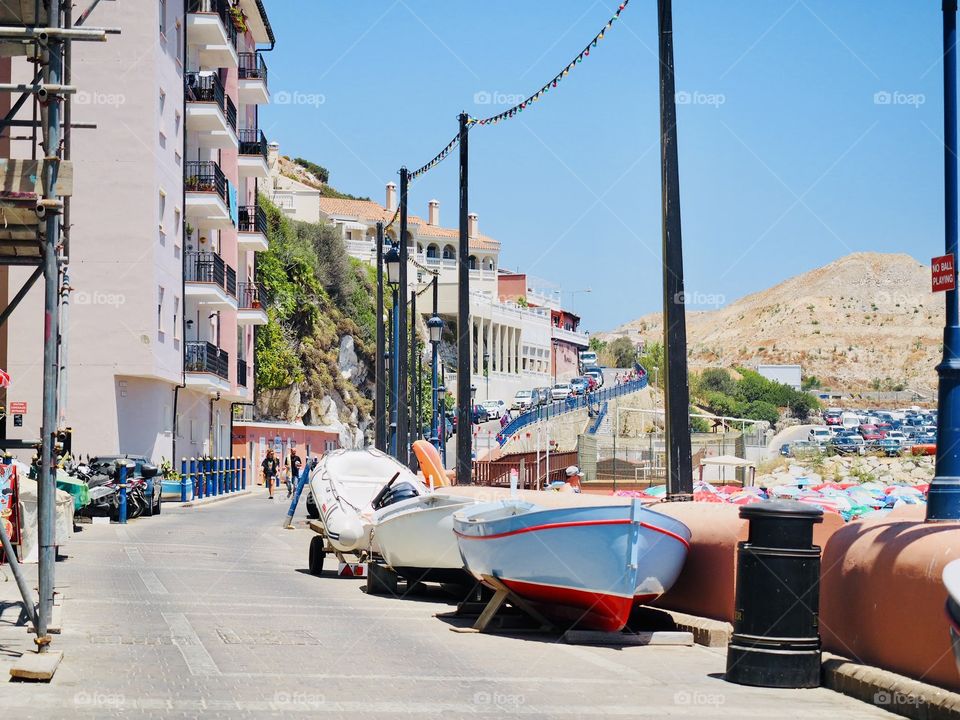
(209,611)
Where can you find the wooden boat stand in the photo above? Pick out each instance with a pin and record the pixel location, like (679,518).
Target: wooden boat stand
(493,615)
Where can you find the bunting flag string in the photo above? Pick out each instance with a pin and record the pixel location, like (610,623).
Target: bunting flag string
(521,106)
(436,160)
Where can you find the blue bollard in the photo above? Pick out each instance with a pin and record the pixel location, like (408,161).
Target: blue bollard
(184,480)
(220,476)
(243,473)
(211,479)
(234,469)
(229,474)
(122,510)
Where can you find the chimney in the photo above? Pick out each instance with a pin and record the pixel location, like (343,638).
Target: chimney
(391,196)
(433,214)
(474,220)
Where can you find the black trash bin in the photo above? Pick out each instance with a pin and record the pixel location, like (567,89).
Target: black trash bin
(776,638)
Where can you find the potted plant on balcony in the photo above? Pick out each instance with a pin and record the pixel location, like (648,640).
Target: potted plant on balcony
(239,19)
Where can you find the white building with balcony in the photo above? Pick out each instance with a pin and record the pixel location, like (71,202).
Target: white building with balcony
(160,331)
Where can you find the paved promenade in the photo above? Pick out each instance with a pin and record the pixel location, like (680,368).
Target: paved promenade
(210,612)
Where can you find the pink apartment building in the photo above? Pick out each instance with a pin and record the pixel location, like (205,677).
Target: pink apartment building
(165,232)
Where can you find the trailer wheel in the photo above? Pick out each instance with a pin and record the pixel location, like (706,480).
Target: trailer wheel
(317,555)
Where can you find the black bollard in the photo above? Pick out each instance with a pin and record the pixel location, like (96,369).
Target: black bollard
(776,639)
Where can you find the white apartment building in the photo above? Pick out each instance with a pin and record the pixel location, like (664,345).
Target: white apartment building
(511,342)
(165,230)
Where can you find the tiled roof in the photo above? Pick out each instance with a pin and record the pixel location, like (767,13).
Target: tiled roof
(481,242)
(367,210)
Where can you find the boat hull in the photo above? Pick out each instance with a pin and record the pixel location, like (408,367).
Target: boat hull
(584,566)
(415,538)
(344,484)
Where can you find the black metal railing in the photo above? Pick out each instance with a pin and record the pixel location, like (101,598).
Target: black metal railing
(206,176)
(205,88)
(219,7)
(203,356)
(242,373)
(252,219)
(252,67)
(205,267)
(231,285)
(253,142)
(231,113)
(250,296)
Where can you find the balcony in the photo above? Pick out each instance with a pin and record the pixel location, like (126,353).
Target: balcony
(251,302)
(210,112)
(252,160)
(212,33)
(210,281)
(253,88)
(208,195)
(573,337)
(241,373)
(252,229)
(206,366)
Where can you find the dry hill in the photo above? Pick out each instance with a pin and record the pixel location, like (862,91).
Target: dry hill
(864,320)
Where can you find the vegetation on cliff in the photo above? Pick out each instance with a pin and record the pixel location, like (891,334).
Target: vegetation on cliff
(316,295)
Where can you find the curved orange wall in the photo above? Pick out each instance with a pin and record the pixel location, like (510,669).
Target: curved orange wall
(882,598)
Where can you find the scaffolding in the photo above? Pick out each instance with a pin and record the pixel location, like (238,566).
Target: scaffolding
(35,230)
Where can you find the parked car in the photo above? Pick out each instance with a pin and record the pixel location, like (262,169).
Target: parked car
(898,436)
(846,445)
(578,386)
(545,395)
(819,434)
(522,401)
(596,374)
(889,447)
(785,450)
(479,415)
(495,408)
(871,433)
(805,448)
(561,391)
(832,417)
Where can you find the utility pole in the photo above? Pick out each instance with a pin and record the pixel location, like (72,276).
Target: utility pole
(943,499)
(464,332)
(403,398)
(380,393)
(677,392)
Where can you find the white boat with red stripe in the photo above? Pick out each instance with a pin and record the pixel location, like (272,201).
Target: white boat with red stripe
(585,566)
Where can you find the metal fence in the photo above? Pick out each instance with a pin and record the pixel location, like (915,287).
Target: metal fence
(573,403)
(537,469)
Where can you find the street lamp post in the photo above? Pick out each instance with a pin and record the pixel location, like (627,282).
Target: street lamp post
(414,427)
(392,261)
(435,327)
(464,331)
(943,499)
(573,294)
(403,398)
(486,372)
(441,408)
(380,393)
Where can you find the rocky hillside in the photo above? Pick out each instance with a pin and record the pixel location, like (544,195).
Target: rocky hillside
(866,321)
(315,356)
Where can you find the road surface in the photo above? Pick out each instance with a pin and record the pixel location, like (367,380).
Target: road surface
(210,612)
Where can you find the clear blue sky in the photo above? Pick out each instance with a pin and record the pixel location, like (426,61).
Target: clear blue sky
(788,157)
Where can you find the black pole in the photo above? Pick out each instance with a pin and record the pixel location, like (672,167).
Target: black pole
(677,425)
(403,401)
(380,394)
(464,333)
(414,377)
(943,499)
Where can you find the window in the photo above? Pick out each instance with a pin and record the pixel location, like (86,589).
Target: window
(176,320)
(176,122)
(163,101)
(179,39)
(177,225)
(163,17)
(160,294)
(162,207)
(163,141)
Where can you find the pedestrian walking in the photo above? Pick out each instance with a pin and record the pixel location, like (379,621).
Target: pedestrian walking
(270,467)
(295,465)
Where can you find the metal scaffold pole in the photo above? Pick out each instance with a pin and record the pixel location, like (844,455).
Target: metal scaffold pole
(46,490)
